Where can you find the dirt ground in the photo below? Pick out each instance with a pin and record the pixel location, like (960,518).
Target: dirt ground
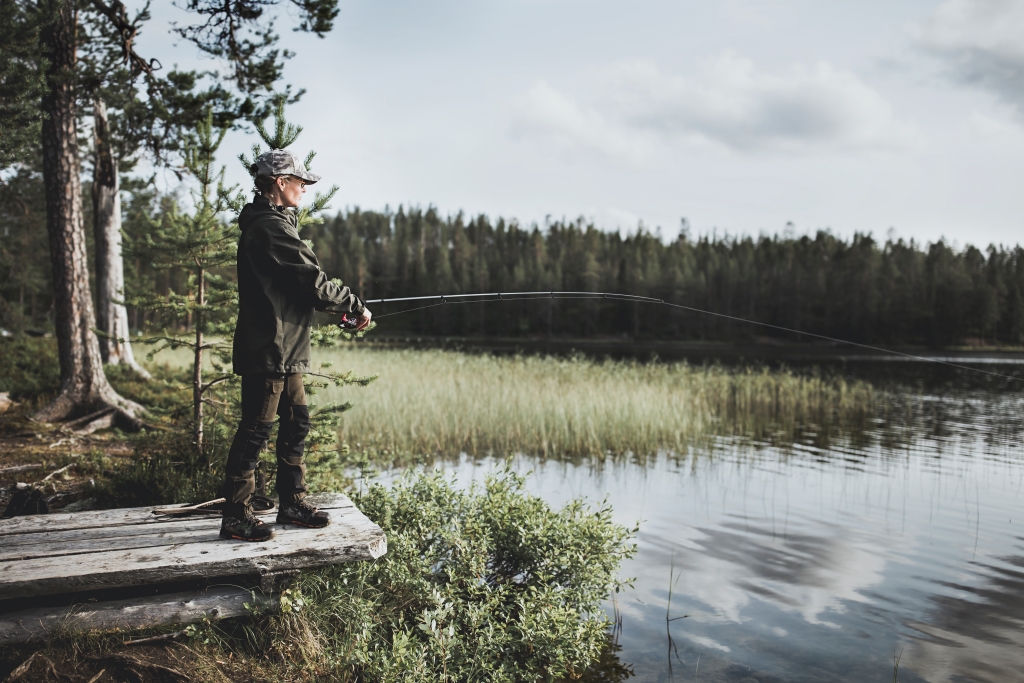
(159,663)
(65,465)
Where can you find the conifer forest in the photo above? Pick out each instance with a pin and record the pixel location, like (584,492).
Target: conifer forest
(862,289)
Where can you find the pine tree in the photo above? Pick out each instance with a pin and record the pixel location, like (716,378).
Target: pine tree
(21,80)
(239,31)
(284,135)
(200,242)
(83,386)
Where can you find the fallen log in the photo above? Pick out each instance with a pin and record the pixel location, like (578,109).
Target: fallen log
(40,623)
(14,469)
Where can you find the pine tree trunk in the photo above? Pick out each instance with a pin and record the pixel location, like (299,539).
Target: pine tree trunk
(111,316)
(83,386)
(197,367)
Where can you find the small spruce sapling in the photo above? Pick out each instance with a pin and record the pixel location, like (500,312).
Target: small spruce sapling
(203,244)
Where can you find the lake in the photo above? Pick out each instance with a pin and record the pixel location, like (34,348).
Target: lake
(826,558)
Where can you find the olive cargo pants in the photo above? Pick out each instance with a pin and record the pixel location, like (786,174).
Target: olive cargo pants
(263,397)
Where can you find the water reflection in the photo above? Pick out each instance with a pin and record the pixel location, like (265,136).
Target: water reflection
(977,632)
(610,668)
(823,558)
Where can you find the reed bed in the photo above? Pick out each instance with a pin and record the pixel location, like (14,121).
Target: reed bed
(433,402)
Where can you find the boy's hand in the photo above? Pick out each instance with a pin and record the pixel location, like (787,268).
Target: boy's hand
(364,320)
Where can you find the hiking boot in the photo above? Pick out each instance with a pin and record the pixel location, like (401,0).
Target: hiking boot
(245,527)
(302,513)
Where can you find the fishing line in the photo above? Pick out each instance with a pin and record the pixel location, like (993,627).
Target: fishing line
(492,297)
(445,302)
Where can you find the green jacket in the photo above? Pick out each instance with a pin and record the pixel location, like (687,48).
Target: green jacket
(280,285)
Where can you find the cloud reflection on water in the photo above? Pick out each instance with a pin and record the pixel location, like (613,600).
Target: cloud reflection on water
(811,575)
(977,634)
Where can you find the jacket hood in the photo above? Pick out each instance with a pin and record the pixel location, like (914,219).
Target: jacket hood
(260,206)
(245,216)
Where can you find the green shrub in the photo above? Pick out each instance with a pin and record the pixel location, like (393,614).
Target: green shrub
(165,468)
(28,367)
(167,395)
(484,584)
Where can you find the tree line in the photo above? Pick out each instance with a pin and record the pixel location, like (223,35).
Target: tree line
(861,289)
(893,292)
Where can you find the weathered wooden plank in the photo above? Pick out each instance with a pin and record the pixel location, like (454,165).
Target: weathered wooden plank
(63,543)
(176,608)
(180,536)
(350,537)
(12,546)
(33,524)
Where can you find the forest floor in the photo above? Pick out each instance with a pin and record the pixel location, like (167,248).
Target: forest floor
(65,465)
(67,468)
(146,663)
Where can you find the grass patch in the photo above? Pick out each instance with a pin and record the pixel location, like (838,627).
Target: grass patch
(165,468)
(443,402)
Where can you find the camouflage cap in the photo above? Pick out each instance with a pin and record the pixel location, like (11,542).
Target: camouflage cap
(283,162)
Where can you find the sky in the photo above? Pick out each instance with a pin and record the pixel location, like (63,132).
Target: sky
(897,119)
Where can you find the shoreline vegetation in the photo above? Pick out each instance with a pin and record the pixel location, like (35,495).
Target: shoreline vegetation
(486,583)
(435,402)
(491,560)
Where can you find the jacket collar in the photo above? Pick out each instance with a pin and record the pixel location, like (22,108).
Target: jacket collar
(264,203)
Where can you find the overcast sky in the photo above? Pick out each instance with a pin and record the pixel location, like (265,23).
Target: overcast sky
(740,116)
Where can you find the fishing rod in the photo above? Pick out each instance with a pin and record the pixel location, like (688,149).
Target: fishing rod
(492,297)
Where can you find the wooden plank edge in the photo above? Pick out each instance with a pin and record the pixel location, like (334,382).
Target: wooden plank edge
(27,547)
(222,602)
(370,543)
(62,521)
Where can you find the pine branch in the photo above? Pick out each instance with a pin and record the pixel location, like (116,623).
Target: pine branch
(127,30)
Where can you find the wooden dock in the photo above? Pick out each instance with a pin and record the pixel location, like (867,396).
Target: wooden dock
(129,568)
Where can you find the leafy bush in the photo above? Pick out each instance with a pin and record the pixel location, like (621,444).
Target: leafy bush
(484,584)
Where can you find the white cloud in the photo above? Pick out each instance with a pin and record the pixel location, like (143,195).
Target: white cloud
(1001,132)
(547,114)
(729,103)
(980,40)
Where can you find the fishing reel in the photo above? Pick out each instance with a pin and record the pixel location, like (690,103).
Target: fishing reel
(349,321)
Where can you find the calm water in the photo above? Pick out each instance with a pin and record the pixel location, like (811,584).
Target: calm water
(821,562)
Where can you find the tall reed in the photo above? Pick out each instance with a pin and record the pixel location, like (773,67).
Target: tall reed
(442,402)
